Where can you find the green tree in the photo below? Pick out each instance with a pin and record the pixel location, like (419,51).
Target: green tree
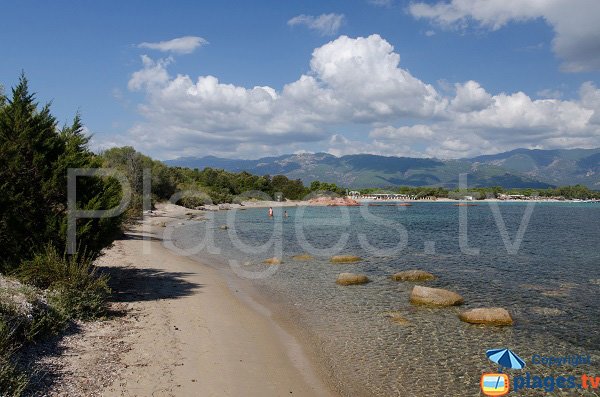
(34,158)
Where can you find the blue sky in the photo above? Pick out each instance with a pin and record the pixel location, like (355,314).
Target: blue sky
(474,76)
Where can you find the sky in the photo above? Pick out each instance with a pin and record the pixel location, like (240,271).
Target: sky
(248,79)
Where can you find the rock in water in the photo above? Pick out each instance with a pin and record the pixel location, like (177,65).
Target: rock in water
(345,259)
(224,227)
(351,279)
(434,296)
(272,261)
(302,257)
(487,316)
(397,318)
(413,275)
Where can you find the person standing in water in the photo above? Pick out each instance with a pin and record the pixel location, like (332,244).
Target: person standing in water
(285,215)
(270,212)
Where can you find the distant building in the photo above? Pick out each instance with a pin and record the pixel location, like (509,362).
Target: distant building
(378,196)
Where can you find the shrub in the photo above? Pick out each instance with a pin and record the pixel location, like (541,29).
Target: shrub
(26,311)
(75,290)
(12,381)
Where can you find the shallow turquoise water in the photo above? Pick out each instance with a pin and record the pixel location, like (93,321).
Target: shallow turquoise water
(551,286)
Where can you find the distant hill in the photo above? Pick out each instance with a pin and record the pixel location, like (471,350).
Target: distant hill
(515,169)
(556,167)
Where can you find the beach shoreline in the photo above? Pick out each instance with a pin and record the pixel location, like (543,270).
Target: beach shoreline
(253,204)
(192,329)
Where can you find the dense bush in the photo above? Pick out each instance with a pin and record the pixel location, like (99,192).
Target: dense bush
(132,163)
(34,158)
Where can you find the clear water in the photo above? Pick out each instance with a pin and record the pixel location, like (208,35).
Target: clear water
(551,286)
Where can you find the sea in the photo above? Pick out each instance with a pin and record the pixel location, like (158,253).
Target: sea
(540,261)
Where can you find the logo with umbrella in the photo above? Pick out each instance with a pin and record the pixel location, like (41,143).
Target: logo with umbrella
(505,358)
(498,384)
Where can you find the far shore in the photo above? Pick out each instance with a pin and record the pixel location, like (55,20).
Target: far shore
(308,203)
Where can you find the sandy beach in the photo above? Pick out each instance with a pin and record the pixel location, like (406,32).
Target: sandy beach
(187,331)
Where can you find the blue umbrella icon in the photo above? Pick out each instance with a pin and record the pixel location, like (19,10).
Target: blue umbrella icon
(505,358)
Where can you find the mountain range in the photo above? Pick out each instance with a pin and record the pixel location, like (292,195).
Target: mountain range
(518,168)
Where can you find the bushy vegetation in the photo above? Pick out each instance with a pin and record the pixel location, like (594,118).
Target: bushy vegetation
(12,381)
(35,156)
(73,286)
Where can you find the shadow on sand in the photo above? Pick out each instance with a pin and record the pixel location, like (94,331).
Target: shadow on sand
(131,284)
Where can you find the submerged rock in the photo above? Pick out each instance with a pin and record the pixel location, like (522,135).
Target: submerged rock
(272,261)
(434,296)
(487,316)
(302,257)
(397,318)
(546,311)
(345,259)
(412,275)
(351,279)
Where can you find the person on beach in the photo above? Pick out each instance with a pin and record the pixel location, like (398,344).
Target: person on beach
(270,212)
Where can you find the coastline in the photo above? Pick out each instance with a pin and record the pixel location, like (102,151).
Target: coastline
(198,331)
(251,204)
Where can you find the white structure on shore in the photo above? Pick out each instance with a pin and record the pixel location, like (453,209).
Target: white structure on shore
(378,196)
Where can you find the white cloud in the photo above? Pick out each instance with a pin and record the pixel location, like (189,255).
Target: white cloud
(152,74)
(470,96)
(406,133)
(575,23)
(357,82)
(485,123)
(325,24)
(430,33)
(180,45)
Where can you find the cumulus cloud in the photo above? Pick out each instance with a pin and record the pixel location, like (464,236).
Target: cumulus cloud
(470,96)
(575,23)
(351,81)
(152,74)
(180,45)
(477,122)
(325,24)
